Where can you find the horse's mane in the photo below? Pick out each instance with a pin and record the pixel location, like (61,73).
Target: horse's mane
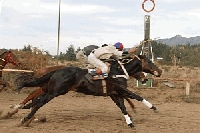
(5,52)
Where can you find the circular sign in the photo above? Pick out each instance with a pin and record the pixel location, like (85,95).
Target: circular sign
(151,8)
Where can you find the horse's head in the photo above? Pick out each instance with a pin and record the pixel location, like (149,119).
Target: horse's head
(131,65)
(9,57)
(134,64)
(149,67)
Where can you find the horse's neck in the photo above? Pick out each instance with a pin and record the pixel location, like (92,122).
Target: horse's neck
(2,63)
(134,67)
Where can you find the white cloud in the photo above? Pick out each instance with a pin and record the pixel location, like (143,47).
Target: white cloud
(79,9)
(36,16)
(27,6)
(122,21)
(177,1)
(34,22)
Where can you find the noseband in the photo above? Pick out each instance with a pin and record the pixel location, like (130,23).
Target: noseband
(9,59)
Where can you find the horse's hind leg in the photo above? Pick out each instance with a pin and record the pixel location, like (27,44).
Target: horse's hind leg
(120,103)
(42,100)
(131,104)
(31,96)
(35,100)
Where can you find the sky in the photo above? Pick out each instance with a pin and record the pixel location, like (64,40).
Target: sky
(93,22)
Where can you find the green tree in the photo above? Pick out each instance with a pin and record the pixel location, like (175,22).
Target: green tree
(27,48)
(70,53)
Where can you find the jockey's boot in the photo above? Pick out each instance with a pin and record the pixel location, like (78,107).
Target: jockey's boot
(93,73)
(105,75)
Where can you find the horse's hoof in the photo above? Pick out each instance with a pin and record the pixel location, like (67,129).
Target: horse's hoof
(18,106)
(25,122)
(131,125)
(153,107)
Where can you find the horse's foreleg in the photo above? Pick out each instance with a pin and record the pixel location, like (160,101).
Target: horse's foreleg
(120,103)
(41,101)
(128,93)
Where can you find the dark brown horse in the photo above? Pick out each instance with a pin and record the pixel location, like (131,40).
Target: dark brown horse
(35,94)
(7,57)
(61,81)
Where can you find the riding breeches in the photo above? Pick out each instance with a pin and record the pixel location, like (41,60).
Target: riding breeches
(92,59)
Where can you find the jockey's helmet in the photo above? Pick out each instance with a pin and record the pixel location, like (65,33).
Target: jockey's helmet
(119,46)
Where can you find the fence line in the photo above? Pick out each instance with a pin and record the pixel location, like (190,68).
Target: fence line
(187,80)
(175,79)
(16,70)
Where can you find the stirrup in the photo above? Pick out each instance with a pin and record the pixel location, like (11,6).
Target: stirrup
(105,75)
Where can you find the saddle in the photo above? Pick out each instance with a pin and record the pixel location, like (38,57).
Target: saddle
(94,75)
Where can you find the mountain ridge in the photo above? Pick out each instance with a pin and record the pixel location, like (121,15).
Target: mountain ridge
(178,39)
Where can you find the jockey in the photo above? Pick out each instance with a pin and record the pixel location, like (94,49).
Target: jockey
(105,52)
(81,55)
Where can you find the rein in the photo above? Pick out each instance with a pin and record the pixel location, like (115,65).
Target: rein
(9,57)
(128,60)
(122,64)
(2,66)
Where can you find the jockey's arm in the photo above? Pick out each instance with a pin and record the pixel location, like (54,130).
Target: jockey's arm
(132,50)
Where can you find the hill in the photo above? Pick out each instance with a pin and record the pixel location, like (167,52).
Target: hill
(178,39)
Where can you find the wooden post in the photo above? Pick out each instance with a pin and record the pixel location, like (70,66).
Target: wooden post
(58,32)
(187,89)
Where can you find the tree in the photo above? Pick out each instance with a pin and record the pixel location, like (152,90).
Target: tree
(27,48)
(70,53)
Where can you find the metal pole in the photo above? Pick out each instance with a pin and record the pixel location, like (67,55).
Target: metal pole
(58,32)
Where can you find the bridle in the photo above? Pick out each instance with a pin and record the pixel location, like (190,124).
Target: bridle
(9,59)
(121,63)
(125,61)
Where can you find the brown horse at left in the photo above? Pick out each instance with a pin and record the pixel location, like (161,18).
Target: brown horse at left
(40,72)
(7,57)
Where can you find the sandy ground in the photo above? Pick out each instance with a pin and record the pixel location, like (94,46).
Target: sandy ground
(78,113)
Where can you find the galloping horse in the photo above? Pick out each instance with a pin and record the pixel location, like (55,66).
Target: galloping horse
(7,57)
(59,82)
(35,94)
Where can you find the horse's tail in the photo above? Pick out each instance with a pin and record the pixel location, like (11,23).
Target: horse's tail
(35,82)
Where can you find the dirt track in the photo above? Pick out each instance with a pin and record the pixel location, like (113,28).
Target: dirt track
(77,113)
